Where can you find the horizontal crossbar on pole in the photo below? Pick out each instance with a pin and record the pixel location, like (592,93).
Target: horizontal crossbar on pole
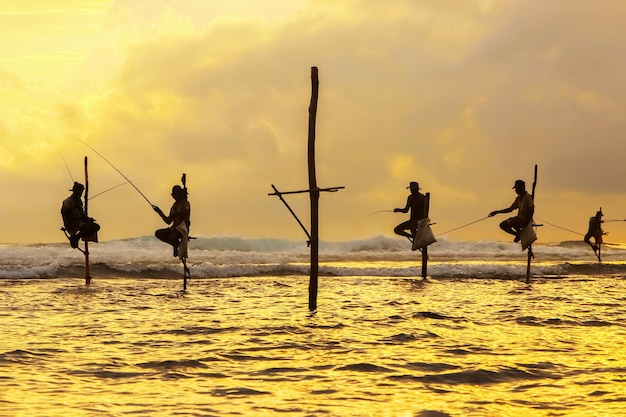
(329,189)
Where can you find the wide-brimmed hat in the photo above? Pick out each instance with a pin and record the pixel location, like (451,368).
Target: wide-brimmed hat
(413,185)
(519,183)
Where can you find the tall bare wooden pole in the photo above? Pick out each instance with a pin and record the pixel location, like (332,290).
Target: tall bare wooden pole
(425,248)
(87,274)
(314,193)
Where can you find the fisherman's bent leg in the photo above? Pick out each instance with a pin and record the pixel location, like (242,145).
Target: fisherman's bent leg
(587,240)
(402,228)
(161,234)
(168,235)
(514,226)
(171,236)
(507,227)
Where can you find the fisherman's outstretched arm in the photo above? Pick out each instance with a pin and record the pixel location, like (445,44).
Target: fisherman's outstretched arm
(506,210)
(165,218)
(405,209)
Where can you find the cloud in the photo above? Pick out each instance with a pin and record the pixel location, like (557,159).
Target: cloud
(463,98)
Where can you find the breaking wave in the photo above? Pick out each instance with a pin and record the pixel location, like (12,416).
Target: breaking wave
(225,257)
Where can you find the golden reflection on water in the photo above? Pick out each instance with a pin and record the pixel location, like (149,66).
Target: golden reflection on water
(376,347)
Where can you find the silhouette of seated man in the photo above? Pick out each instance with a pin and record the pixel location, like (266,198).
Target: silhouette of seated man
(415,203)
(76,223)
(526,208)
(595,231)
(179,220)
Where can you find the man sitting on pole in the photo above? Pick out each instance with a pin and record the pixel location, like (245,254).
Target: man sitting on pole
(76,224)
(415,202)
(526,208)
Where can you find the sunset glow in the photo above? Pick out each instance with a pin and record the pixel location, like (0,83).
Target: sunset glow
(464,99)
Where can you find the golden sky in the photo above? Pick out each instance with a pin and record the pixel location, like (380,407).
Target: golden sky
(464,97)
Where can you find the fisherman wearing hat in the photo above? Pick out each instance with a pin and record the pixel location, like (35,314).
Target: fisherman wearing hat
(526,208)
(179,219)
(595,231)
(415,202)
(75,222)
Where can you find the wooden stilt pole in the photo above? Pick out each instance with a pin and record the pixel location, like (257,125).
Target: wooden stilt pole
(530,255)
(425,248)
(530,247)
(186,273)
(87,274)
(313,193)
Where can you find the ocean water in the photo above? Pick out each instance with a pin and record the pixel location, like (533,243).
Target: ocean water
(471,340)
(231,257)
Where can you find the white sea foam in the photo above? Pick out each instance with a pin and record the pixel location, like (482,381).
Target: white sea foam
(234,256)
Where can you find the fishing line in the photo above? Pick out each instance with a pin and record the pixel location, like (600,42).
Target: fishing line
(562,228)
(68,168)
(109,189)
(465,225)
(113,166)
(380,211)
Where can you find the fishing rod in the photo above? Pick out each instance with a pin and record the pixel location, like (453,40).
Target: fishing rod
(100,193)
(68,168)
(115,168)
(380,211)
(613,220)
(465,225)
(109,189)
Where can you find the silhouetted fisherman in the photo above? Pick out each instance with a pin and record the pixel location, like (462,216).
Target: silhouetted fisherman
(76,223)
(177,234)
(595,231)
(526,208)
(415,202)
